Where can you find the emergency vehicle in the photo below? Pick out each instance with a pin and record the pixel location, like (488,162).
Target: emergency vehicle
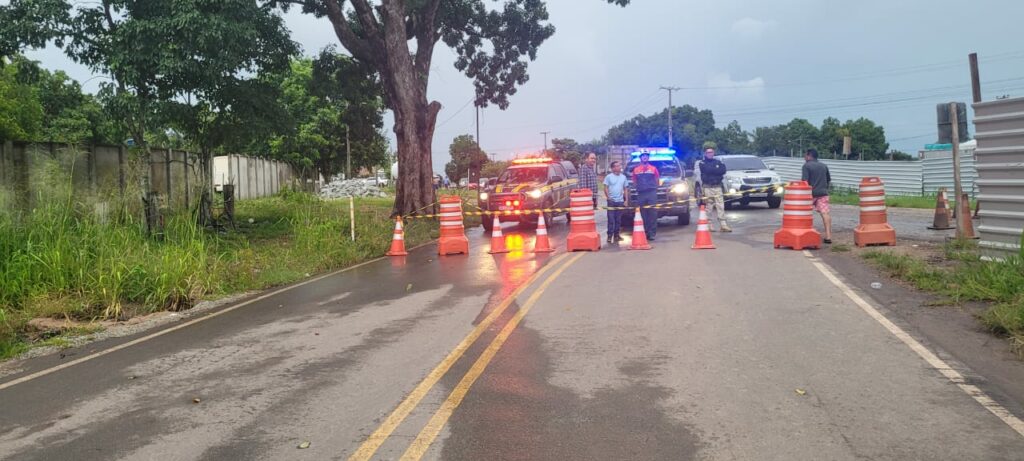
(529,184)
(673,190)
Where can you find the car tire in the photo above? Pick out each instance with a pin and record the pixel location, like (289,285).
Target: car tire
(745,202)
(626,220)
(488,223)
(684,219)
(774,202)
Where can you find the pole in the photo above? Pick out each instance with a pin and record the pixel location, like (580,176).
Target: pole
(954,118)
(352,216)
(975,78)
(670,89)
(545,133)
(348,155)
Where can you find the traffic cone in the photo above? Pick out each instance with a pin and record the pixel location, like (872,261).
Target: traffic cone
(639,235)
(398,241)
(543,243)
(497,238)
(967,227)
(942,214)
(703,239)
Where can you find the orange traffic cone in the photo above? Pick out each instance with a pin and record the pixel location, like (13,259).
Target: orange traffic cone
(639,235)
(703,240)
(497,238)
(398,242)
(543,243)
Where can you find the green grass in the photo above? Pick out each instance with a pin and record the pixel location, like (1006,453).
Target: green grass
(59,260)
(965,277)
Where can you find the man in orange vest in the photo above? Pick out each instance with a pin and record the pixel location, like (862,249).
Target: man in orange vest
(646,179)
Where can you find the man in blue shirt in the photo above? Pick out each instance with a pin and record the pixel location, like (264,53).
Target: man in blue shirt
(615,194)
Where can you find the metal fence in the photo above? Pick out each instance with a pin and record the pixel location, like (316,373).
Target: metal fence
(257,177)
(901,178)
(937,172)
(1000,132)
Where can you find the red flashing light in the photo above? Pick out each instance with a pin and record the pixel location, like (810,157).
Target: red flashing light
(515,203)
(527,161)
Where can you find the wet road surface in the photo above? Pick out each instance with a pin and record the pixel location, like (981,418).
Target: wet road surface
(744,352)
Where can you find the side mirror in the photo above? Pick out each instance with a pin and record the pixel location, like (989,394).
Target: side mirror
(771,167)
(555,179)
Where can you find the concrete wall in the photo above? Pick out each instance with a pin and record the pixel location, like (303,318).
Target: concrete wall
(255,177)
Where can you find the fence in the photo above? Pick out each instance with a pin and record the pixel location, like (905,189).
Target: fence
(175,174)
(901,178)
(256,177)
(1000,132)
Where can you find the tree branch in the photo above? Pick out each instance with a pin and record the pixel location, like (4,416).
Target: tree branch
(366,18)
(426,37)
(359,47)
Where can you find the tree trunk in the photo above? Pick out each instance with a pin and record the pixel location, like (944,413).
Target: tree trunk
(414,130)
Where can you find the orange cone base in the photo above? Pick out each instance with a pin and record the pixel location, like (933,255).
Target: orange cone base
(498,248)
(583,241)
(797,239)
(703,243)
(397,252)
(543,248)
(644,245)
(874,234)
(453,246)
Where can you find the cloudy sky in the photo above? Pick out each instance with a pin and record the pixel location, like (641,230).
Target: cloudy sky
(761,62)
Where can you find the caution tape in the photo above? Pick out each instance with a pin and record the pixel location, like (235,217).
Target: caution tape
(667,205)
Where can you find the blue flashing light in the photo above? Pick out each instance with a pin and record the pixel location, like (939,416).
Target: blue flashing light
(661,153)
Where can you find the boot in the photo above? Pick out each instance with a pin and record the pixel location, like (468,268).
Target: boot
(725,227)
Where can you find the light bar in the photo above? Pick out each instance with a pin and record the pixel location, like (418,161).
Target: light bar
(655,151)
(527,161)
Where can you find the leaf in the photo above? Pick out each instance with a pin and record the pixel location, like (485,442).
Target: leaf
(196,400)
(408,287)
(801,392)
(304,445)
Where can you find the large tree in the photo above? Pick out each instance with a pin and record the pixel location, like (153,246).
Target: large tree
(691,127)
(397,39)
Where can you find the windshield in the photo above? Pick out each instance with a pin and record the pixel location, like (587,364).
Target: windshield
(524,175)
(665,168)
(743,163)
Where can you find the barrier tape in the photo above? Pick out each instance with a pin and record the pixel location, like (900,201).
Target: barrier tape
(481,212)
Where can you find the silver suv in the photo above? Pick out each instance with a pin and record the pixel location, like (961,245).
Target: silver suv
(749,177)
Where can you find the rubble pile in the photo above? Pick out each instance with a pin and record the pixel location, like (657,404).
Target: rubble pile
(338,188)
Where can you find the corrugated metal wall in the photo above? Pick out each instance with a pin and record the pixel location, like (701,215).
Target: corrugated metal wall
(254,177)
(937,171)
(901,178)
(1000,162)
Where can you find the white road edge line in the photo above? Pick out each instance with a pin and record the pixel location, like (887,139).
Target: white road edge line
(954,376)
(194,321)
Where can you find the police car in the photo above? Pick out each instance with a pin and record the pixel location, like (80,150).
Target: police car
(529,184)
(673,191)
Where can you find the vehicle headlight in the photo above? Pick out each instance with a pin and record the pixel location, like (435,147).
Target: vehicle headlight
(679,188)
(732,190)
(484,196)
(780,189)
(535,194)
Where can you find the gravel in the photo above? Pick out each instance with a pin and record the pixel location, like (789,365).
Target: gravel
(338,188)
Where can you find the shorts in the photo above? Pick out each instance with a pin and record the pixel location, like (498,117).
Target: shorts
(821,204)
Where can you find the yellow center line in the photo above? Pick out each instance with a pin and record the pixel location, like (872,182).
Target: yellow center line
(379,436)
(426,436)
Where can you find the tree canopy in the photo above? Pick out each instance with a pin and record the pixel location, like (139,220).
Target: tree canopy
(466,158)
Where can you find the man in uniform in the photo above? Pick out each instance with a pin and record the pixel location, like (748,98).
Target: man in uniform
(712,172)
(646,180)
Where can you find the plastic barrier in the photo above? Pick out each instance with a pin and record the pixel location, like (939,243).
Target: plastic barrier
(582,228)
(798,219)
(874,228)
(453,239)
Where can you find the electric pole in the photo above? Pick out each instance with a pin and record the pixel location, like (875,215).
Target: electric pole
(545,133)
(348,155)
(479,150)
(670,89)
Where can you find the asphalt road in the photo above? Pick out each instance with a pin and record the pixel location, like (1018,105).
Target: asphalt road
(743,352)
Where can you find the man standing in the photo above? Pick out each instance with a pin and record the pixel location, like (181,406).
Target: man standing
(712,173)
(588,175)
(646,179)
(817,176)
(615,194)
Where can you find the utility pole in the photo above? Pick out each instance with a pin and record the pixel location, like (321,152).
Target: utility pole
(975,78)
(545,133)
(670,89)
(348,155)
(961,213)
(479,150)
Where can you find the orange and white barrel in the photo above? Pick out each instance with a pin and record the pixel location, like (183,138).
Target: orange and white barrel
(582,227)
(874,228)
(453,231)
(798,219)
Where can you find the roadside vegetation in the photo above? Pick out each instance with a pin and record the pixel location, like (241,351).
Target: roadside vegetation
(60,259)
(851,197)
(961,276)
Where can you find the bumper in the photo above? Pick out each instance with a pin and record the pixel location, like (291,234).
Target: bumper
(757,193)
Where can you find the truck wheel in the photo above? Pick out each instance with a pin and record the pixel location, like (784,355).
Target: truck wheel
(684,219)
(774,202)
(488,222)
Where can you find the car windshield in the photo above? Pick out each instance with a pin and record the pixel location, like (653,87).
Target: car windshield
(524,175)
(743,163)
(665,168)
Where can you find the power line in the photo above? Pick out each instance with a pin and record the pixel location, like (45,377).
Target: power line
(456,114)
